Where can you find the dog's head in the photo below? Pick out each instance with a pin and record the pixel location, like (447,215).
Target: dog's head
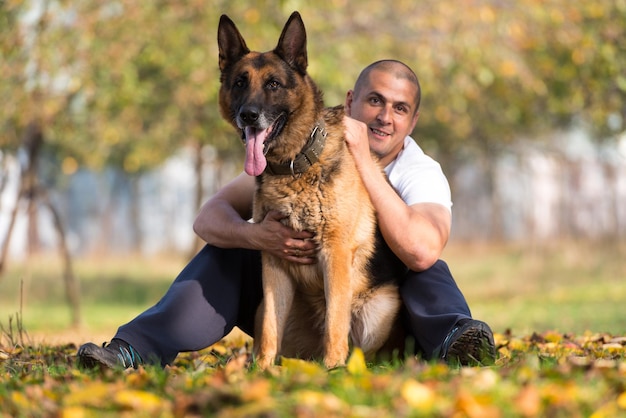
(261,94)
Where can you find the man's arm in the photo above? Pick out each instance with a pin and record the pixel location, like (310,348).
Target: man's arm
(223,222)
(417,234)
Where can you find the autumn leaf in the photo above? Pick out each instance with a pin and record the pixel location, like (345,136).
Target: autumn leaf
(356,363)
(19,400)
(256,390)
(139,400)
(418,395)
(74,412)
(580,375)
(475,406)
(528,401)
(308,368)
(94,394)
(320,402)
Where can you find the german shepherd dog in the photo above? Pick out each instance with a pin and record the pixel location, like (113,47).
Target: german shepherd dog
(296,150)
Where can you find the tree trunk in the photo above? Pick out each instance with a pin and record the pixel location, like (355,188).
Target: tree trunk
(7,238)
(497,224)
(72,292)
(135,214)
(29,189)
(33,142)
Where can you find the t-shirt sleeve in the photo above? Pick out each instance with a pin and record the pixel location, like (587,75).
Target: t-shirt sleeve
(424,184)
(418,178)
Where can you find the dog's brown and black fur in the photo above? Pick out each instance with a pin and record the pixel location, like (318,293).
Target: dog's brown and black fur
(296,150)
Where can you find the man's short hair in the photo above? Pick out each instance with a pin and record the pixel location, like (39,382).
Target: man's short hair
(398,69)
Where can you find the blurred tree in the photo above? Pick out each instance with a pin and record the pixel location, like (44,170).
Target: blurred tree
(125,83)
(492,71)
(36,97)
(150,82)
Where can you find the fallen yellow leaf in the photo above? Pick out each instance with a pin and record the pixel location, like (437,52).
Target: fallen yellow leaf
(418,395)
(320,402)
(256,390)
(220,348)
(19,400)
(528,401)
(473,406)
(308,368)
(93,394)
(139,400)
(73,412)
(356,362)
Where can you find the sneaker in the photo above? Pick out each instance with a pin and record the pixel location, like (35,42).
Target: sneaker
(116,355)
(470,343)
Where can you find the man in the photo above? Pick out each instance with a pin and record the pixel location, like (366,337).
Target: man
(221,287)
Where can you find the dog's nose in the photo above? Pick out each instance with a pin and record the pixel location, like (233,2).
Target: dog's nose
(249,114)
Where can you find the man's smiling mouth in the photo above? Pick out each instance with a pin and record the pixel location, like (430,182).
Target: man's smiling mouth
(379,132)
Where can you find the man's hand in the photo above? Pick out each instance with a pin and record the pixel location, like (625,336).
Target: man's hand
(282,241)
(357,139)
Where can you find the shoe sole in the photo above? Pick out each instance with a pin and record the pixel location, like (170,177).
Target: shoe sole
(474,346)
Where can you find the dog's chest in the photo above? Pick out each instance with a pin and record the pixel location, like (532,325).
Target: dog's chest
(305,205)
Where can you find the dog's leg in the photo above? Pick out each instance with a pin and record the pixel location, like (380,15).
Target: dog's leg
(338,292)
(278,292)
(373,317)
(303,334)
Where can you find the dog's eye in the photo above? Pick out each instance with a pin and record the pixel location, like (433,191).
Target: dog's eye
(272,85)
(241,82)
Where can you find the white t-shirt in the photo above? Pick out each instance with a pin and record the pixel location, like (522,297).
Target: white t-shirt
(417,177)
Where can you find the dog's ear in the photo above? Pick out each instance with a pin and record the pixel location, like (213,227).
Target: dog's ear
(231,44)
(292,43)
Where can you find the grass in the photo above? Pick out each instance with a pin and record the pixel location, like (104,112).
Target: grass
(113,290)
(543,375)
(579,371)
(570,287)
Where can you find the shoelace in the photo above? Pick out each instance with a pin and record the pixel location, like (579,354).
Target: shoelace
(128,357)
(446,342)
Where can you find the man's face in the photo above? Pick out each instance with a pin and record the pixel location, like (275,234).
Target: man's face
(386,104)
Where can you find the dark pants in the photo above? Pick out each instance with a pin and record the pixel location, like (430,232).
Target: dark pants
(221,288)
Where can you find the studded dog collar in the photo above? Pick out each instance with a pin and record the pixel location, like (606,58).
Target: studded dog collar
(308,156)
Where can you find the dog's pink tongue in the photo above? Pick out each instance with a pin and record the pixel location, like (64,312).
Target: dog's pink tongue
(255,160)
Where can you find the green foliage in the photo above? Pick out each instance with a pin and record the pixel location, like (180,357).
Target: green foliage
(11,58)
(125,83)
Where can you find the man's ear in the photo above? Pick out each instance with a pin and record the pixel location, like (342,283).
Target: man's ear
(414,121)
(348,103)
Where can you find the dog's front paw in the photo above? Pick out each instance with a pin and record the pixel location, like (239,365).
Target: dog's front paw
(333,363)
(264,362)
(335,358)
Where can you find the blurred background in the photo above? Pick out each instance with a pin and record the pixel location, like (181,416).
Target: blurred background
(111,139)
